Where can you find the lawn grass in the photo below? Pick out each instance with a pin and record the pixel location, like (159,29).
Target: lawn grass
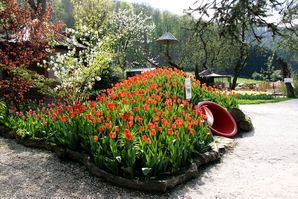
(261,101)
(247,81)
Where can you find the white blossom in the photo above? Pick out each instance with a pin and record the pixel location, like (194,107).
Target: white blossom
(77,73)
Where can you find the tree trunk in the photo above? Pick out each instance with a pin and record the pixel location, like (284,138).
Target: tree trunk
(234,82)
(286,73)
(243,56)
(204,64)
(197,72)
(290,90)
(239,66)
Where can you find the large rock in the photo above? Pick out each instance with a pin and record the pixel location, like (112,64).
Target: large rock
(244,123)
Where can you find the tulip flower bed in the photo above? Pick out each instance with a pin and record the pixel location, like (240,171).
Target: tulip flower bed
(141,128)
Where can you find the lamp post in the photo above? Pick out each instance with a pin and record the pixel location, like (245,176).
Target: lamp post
(167,39)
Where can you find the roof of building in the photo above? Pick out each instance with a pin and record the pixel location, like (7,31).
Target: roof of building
(167,38)
(216,75)
(60,39)
(139,69)
(209,74)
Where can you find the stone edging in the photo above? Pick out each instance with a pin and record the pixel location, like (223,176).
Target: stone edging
(150,185)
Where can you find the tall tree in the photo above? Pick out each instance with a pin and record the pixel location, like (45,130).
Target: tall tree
(290,27)
(290,16)
(238,21)
(131,32)
(94,14)
(213,52)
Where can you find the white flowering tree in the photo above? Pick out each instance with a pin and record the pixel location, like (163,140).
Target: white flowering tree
(77,71)
(123,45)
(132,32)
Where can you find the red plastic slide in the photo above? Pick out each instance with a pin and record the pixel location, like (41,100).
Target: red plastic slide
(220,121)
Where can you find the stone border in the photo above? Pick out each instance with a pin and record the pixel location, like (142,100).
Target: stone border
(151,185)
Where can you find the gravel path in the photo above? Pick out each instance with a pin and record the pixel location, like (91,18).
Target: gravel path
(264,164)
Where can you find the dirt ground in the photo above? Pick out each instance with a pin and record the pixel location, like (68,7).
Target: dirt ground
(264,164)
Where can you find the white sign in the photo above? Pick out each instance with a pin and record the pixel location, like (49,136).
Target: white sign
(187,88)
(288,80)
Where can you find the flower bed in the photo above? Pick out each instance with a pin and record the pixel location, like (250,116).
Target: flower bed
(155,185)
(140,129)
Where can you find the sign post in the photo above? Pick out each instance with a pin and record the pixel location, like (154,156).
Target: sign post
(288,80)
(187,89)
